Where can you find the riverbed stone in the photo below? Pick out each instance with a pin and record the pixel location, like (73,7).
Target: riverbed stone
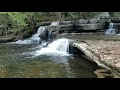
(105,52)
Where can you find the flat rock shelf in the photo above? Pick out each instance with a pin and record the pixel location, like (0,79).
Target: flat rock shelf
(105,53)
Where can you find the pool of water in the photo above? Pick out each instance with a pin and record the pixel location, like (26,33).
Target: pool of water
(16,61)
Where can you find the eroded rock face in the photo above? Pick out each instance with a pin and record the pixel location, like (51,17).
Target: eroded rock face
(78,27)
(93,21)
(6,39)
(1,32)
(104,53)
(103,15)
(115,19)
(92,26)
(44,35)
(82,21)
(65,22)
(38,24)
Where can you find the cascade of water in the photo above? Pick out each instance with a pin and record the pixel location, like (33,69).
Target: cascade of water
(35,39)
(59,47)
(40,30)
(111,29)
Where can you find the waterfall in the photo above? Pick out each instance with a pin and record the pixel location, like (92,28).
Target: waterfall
(57,47)
(40,30)
(111,29)
(50,36)
(35,39)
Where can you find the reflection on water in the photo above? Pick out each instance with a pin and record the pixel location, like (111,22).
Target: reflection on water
(15,64)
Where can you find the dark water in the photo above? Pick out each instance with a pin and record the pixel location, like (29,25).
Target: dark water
(15,63)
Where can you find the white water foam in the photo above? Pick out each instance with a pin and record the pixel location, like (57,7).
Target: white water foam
(57,47)
(111,29)
(35,39)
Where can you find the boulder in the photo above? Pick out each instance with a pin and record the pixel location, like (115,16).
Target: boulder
(82,21)
(92,21)
(44,35)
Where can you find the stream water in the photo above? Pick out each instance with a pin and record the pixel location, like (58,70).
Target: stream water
(16,61)
(35,58)
(111,29)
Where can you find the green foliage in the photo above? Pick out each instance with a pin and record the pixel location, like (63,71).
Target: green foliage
(114,14)
(18,17)
(28,20)
(5,19)
(22,17)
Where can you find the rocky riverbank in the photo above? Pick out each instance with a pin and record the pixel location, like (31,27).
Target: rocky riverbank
(96,25)
(105,53)
(6,39)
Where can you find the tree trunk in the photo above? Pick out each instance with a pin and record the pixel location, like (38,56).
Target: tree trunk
(5,31)
(60,16)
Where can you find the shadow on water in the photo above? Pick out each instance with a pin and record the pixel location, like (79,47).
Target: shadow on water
(16,65)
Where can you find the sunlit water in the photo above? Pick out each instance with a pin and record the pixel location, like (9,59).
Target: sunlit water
(59,46)
(17,62)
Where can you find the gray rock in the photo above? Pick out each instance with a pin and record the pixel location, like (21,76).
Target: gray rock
(93,21)
(82,21)
(1,32)
(38,24)
(44,35)
(115,19)
(65,22)
(92,26)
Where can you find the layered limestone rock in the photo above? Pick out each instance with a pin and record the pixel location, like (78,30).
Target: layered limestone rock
(105,53)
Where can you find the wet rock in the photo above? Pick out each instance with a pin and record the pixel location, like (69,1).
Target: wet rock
(54,35)
(44,35)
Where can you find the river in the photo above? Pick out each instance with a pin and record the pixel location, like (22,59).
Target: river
(16,61)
